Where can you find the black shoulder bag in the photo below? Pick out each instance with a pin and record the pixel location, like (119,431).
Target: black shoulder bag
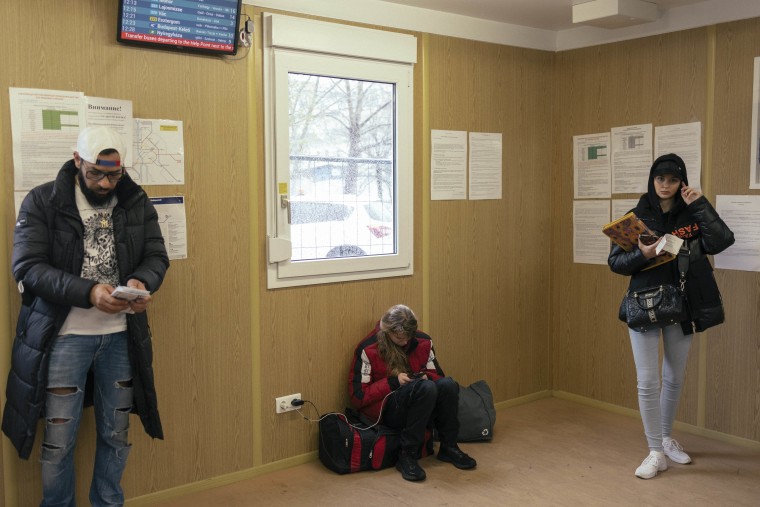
(659,306)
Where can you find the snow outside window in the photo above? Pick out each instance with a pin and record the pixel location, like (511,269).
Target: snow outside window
(338,114)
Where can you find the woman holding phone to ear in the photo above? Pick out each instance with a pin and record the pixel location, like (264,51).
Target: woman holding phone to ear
(671,206)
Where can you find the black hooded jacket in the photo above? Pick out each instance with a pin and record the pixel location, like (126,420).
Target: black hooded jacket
(704,233)
(48,253)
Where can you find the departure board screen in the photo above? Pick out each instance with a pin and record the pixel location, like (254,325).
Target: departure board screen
(204,26)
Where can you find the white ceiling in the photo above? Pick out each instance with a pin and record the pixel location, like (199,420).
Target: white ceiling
(552,15)
(537,24)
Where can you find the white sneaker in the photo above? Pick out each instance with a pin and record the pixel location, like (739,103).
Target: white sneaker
(652,464)
(674,451)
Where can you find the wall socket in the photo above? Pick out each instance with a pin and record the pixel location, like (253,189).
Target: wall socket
(283,403)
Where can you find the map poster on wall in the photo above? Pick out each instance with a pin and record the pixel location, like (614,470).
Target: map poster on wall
(159,153)
(754,158)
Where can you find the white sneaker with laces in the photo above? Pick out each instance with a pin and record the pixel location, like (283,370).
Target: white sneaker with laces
(674,451)
(652,464)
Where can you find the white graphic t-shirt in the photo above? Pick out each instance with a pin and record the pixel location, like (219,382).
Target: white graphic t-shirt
(99,265)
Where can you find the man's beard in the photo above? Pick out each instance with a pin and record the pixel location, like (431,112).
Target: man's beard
(92,197)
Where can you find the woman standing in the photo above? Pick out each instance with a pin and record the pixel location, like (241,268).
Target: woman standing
(671,206)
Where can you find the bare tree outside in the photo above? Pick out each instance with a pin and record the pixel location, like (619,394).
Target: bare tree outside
(341,152)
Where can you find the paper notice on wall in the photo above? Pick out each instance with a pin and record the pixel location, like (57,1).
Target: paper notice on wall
(742,215)
(754,156)
(448,165)
(44,126)
(116,114)
(485,165)
(171,218)
(622,206)
(590,245)
(685,140)
(18,198)
(631,158)
(591,166)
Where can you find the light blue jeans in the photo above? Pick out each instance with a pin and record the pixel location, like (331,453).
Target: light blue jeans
(71,357)
(658,405)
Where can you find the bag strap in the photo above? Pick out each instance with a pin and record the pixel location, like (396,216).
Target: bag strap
(683,265)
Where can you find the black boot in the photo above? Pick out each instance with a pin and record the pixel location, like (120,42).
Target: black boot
(410,470)
(454,455)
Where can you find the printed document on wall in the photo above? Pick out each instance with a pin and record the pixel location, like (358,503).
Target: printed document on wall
(742,215)
(754,157)
(18,198)
(590,245)
(159,153)
(685,140)
(622,206)
(631,158)
(171,218)
(591,166)
(116,114)
(44,126)
(485,165)
(448,165)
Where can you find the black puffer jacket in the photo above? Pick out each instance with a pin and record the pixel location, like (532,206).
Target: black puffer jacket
(705,234)
(48,253)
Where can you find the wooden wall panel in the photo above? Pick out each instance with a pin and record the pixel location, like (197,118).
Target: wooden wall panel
(660,80)
(733,349)
(506,301)
(200,318)
(488,273)
(308,334)
(307,338)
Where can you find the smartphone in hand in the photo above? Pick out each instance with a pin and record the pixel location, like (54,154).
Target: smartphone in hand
(648,239)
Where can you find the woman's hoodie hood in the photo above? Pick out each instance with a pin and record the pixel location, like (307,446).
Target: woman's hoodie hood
(667,164)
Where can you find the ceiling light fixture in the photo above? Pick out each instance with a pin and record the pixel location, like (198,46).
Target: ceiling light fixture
(615,13)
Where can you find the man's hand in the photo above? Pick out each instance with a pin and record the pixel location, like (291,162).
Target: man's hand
(100,297)
(140,304)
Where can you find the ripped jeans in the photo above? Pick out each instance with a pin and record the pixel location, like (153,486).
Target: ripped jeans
(71,357)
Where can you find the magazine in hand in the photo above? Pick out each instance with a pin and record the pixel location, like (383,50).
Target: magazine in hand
(625,232)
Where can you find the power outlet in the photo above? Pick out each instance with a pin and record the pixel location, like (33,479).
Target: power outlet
(284,403)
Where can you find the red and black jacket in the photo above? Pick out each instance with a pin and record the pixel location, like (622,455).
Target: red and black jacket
(369,381)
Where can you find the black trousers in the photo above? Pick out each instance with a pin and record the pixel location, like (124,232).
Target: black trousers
(423,404)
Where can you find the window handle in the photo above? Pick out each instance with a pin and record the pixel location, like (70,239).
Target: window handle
(285,203)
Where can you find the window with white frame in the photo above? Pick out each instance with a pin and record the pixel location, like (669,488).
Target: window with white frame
(338,115)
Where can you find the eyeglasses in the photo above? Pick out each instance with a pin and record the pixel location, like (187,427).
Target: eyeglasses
(96,175)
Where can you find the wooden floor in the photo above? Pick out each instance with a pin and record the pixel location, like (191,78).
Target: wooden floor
(547,452)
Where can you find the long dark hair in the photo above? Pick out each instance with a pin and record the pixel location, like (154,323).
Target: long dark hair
(398,319)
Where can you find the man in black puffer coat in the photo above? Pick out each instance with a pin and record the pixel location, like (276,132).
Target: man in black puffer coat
(76,239)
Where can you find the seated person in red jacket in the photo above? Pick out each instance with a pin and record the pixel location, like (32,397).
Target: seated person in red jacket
(395,373)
